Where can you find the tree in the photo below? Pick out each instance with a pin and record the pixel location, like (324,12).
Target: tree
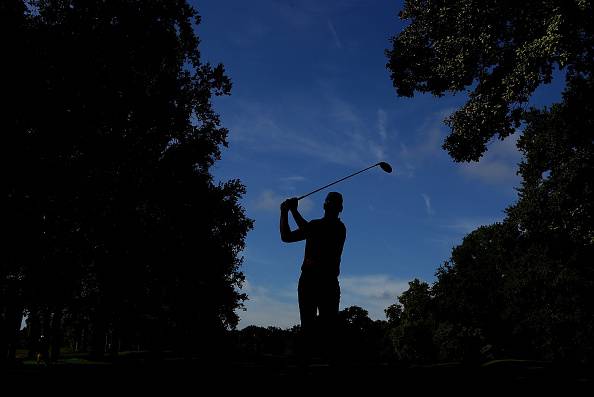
(112,133)
(394,314)
(469,287)
(257,342)
(556,217)
(500,51)
(412,333)
(355,334)
(470,301)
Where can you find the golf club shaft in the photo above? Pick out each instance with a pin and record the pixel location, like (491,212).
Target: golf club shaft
(335,182)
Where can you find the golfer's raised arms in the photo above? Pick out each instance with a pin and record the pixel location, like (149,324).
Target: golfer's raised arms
(301,222)
(288,235)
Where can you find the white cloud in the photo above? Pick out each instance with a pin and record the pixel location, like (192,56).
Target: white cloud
(379,151)
(499,164)
(270,201)
(342,111)
(428,207)
(429,138)
(467,225)
(337,41)
(266,307)
(306,205)
(382,120)
(337,133)
(295,178)
(373,292)
(278,306)
(289,183)
(490,171)
(426,145)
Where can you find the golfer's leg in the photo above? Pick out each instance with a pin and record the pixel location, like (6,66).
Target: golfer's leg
(329,317)
(307,313)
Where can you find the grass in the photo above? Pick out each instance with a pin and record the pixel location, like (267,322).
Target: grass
(135,368)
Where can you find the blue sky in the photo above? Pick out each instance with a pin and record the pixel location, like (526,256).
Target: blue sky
(312,102)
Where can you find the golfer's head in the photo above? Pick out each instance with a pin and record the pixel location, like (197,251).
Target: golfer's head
(333,204)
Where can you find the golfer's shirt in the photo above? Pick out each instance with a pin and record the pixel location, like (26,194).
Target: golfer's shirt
(324,240)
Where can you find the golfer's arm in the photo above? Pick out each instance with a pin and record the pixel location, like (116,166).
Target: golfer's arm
(288,236)
(301,222)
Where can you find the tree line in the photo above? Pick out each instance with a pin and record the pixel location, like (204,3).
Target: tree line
(116,235)
(118,238)
(523,287)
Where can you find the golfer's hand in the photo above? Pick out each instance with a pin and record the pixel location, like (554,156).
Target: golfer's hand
(284,207)
(292,203)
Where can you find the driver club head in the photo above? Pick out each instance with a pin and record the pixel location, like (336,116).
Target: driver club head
(386,167)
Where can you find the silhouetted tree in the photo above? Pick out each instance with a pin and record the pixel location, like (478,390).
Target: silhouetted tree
(412,326)
(555,215)
(256,342)
(394,314)
(361,339)
(528,281)
(500,50)
(470,295)
(116,221)
(18,208)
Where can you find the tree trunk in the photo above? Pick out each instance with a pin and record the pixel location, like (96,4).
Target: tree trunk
(96,336)
(14,329)
(11,312)
(33,330)
(115,337)
(84,339)
(56,334)
(4,345)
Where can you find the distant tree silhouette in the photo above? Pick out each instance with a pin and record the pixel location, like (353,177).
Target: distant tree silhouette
(412,324)
(117,228)
(360,338)
(256,342)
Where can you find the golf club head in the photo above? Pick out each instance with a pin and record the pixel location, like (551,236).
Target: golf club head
(385,166)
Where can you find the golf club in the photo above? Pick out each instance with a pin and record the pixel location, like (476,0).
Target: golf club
(383,165)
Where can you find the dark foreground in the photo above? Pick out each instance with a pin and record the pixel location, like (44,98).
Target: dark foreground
(268,374)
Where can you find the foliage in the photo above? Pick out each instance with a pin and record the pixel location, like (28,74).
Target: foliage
(360,338)
(555,215)
(522,287)
(254,341)
(412,327)
(500,51)
(501,295)
(116,221)
(357,338)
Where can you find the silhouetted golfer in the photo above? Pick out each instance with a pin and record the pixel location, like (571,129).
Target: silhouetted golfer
(319,291)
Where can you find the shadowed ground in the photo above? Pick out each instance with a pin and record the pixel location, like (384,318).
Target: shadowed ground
(278,373)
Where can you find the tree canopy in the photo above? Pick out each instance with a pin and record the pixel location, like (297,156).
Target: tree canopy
(522,287)
(116,224)
(497,51)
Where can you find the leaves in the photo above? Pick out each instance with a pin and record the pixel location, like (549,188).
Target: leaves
(112,134)
(501,50)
